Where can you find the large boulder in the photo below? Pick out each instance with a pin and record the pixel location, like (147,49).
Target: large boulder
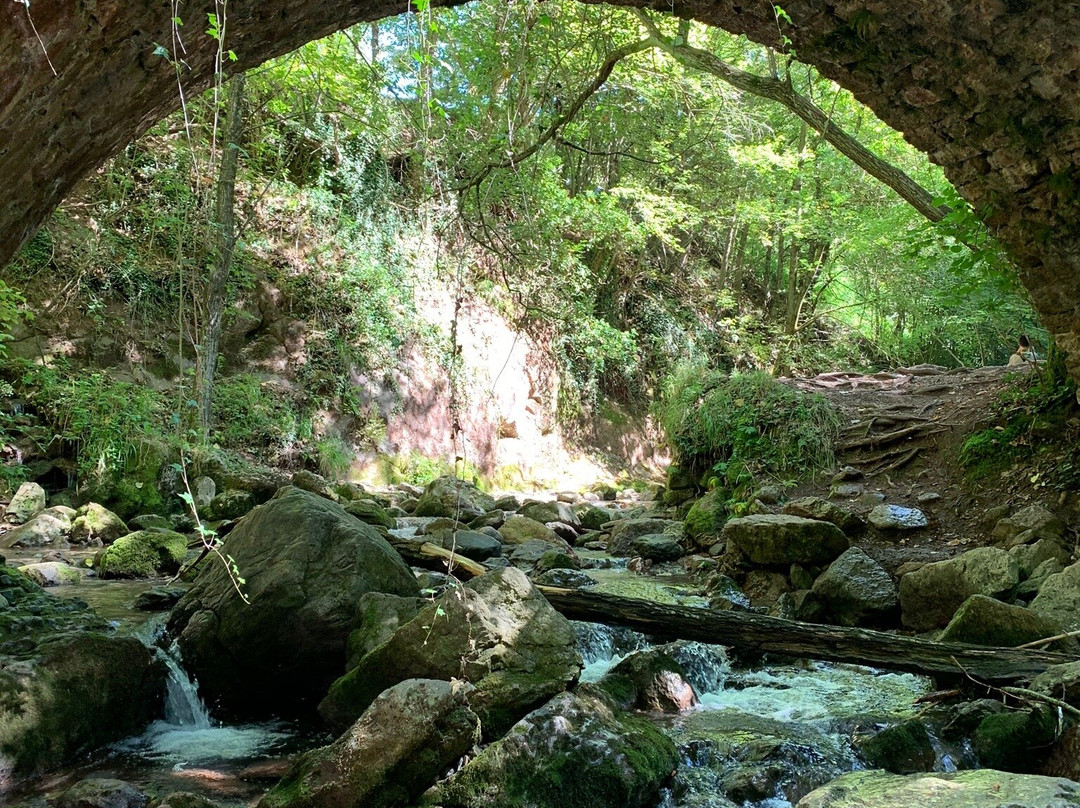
(51,573)
(409,736)
(458,499)
(706,518)
(650,680)
(28,501)
(277,644)
(1059,598)
(986,621)
(782,540)
(371,512)
(593,517)
(469,543)
(1027,526)
(574,752)
(554,511)
(825,511)
(902,749)
(1030,556)
(102,792)
(930,595)
(142,554)
(380,614)
(856,590)
(984,788)
(625,532)
(50,526)
(497,632)
(96,523)
(522,529)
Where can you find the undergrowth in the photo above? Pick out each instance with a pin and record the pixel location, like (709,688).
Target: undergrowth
(728,430)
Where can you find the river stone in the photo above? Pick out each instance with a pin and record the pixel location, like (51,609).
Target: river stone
(314,483)
(983,788)
(102,792)
(205,489)
(856,590)
(555,511)
(408,738)
(493,519)
(825,511)
(142,554)
(497,631)
(449,496)
(593,517)
(624,532)
(1059,598)
(903,749)
(657,547)
(931,594)
(565,579)
(986,621)
(370,512)
(1016,740)
(896,517)
(528,555)
(522,529)
(1060,682)
(1030,587)
(159,598)
(51,526)
(469,543)
(649,680)
(706,518)
(1030,556)
(574,752)
(1028,525)
(231,504)
(779,539)
(96,522)
(51,573)
(28,501)
(380,614)
(306,564)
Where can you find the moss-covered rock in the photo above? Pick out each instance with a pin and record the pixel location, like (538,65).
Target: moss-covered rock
(1015,741)
(49,527)
(930,595)
(51,573)
(903,749)
(143,554)
(822,509)
(379,614)
(781,540)
(707,517)
(449,496)
(1059,598)
(649,680)
(554,511)
(410,735)
(985,621)
(96,523)
(522,529)
(370,512)
(102,792)
(28,501)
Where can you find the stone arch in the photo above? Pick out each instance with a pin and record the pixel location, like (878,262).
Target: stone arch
(987,88)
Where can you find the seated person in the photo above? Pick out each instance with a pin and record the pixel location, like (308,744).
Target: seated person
(1024,352)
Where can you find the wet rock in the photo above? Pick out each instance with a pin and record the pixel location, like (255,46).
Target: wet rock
(764,587)
(903,749)
(1027,526)
(657,547)
(706,518)
(556,560)
(556,511)
(650,680)
(102,793)
(449,496)
(28,501)
(565,578)
(528,554)
(497,631)
(96,522)
(931,594)
(593,517)
(986,621)
(50,526)
(1059,598)
(825,511)
(574,752)
(143,554)
(522,529)
(370,512)
(1015,741)
(984,788)
(409,736)
(624,532)
(51,573)
(721,587)
(896,517)
(781,540)
(306,563)
(159,598)
(469,543)
(856,590)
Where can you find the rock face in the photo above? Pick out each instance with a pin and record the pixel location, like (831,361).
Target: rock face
(1059,598)
(984,788)
(409,736)
(142,554)
(497,632)
(778,539)
(931,594)
(458,499)
(574,752)
(856,590)
(28,501)
(985,621)
(306,564)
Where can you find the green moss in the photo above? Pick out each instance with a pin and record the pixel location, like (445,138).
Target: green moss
(707,516)
(143,554)
(1017,741)
(903,749)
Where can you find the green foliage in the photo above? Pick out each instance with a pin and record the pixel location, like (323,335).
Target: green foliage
(334,457)
(249,415)
(12,305)
(745,426)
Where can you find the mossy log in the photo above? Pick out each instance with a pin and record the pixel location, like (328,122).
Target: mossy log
(761,633)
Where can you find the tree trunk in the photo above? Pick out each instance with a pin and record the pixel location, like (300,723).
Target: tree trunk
(760,633)
(225,226)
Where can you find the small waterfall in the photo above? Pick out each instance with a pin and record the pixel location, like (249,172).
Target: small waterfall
(707,667)
(183,707)
(603,647)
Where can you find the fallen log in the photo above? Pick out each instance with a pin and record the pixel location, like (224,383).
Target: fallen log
(425,554)
(761,633)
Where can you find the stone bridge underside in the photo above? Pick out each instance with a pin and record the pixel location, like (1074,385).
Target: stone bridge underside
(989,89)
